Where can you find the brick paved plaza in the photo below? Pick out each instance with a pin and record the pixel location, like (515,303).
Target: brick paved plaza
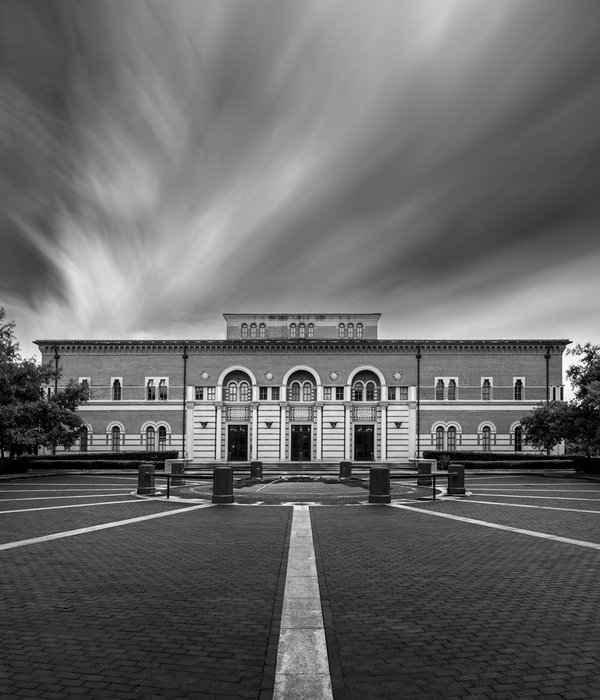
(107,595)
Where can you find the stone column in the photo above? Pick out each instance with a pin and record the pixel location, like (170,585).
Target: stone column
(347,431)
(218,423)
(319,443)
(384,431)
(282,431)
(254,439)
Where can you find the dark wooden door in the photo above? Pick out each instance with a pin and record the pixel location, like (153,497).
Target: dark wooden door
(300,443)
(364,443)
(237,443)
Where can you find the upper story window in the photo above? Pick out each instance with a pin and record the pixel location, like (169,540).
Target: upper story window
(350,330)
(341,331)
(292,330)
(262,331)
(311,330)
(302,391)
(327,393)
(339,393)
(275,393)
(518,390)
(359,330)
(244,330)
(154,383)
(150,390)
(452,390)
(237,391)
(302,331)
(486,390)
(116,390)
(439,390)
(253,331)
(263,393)
(365,391)
(162,390)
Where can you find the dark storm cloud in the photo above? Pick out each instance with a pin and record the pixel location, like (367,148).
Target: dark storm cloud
(174,160)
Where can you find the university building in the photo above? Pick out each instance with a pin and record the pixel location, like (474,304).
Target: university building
(307,388)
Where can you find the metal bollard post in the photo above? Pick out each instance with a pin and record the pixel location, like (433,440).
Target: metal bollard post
(146,479)
(256,470)
(424,469)
(379,485)
(222,485)
(456,480)
(345,470)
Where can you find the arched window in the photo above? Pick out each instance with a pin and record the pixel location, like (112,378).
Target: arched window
(244,330)
(295,391)
(359,330)
(162,390)
(262,331)
(357,391)
(150,435)
(162,438)
(452,390)
(486,390)
(439,438)
(244,391)
(116,390)
(150,390)
(307,391)
(486,438)
(518,438)
(451,439)
(350,330)
(439,390)
(518,390)
(302,331)
(253,330)
(370,391)
(293,330)
(116,438)
(311,330)
(232,391)
(83,439)
(341,331)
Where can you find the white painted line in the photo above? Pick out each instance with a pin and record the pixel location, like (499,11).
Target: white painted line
(302,662)
(524,505)
(95,528)
(503,486)
(94,486)
(73,505)
(62,498)
(496,526)
(544,498)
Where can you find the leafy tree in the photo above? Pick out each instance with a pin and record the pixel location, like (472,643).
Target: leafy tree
(28,420)
(578,421)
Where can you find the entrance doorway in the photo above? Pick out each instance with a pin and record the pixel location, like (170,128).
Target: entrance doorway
(364,443)
(300,447)
(237,443)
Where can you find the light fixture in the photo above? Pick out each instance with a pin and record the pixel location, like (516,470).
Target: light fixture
(333,423)
(204,423)
(398,423)
(268,423)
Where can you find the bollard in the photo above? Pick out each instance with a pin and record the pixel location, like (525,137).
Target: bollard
(379,485)
(424,468)
(345,470)
(222,485)
(256,470)
(175,467)
(456,480)
(146,479)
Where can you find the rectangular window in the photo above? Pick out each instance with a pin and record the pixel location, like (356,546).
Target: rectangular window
(199,390)
(402,393)
(327,393)
(211,393)
(275,393)
(391,393)
(262,393)
(339,393)
(162,390)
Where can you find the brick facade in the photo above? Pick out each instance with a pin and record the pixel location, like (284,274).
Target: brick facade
(307,387)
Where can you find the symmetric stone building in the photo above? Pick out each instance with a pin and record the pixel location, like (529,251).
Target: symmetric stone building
(307,387)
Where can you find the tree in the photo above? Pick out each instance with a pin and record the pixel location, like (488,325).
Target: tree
(28,419)
(578,421)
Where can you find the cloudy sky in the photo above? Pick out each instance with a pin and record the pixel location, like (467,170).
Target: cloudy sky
(166,161)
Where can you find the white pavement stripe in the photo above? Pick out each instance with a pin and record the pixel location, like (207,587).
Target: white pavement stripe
(91,488)
(524,505)
(496,526)
(302,662)
(104,526)
(62,498)
(545,498)
(72,505)
(541,488)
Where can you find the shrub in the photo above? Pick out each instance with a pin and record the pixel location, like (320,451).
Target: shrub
(586,465)
(138,455)
(86,464)
(516,464)
(470,456)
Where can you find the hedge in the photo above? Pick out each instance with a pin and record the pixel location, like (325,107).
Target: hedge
(139,455)
(88,464)
(587,465)
(517,464)
(467,456)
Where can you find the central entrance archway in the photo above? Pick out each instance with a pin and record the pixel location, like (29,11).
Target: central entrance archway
(300,443)
(364,443)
